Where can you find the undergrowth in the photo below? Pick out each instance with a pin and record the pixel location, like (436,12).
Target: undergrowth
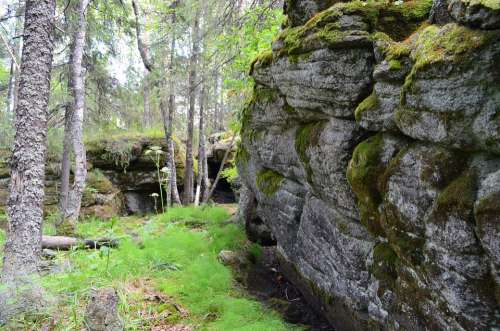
(165,270)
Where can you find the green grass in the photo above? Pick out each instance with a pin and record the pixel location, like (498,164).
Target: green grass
(172,256)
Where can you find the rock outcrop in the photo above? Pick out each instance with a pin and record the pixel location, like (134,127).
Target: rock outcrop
(371,153)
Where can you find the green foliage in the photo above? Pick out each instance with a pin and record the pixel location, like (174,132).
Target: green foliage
(255,253)
(172,256)
(269,181)
(230,174)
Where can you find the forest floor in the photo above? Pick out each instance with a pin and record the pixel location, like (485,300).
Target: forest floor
(167,273)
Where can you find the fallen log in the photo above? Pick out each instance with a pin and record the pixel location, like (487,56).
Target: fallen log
(67,243)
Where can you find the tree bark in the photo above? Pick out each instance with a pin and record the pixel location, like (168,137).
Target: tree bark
(71,200)
(172,191)
(25,205)
(146,117)
(193,63)
(141,45)
(201,147)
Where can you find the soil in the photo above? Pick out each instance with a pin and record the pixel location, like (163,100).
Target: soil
(264,281)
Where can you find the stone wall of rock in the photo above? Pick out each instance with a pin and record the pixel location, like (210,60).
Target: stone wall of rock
(370,153)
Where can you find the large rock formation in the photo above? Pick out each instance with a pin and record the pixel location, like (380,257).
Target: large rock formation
(371,152)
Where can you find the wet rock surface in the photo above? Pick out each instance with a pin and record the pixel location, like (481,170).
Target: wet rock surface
(372,156)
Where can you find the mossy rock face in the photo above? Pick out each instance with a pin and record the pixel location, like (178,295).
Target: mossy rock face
(370,161)
(97,181)
(269,181)
(483,14)
(384,266)
(307,136)
(326,29)
(457,198)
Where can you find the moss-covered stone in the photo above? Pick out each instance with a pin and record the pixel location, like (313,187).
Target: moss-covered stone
(262,60)
(397,20)
(451,43)
(307,136)
(384,266)
(242,155)
(98,181)
(492,4)
(363,174)
(458,197)
(269,181)
(370,103)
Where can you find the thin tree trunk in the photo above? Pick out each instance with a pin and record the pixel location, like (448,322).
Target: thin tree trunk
(12,88)
(221,168)
(14,66)
(201,147)
(65,165)
(146,119)
(172,191)
(71,200)
(189,171)
(25,205)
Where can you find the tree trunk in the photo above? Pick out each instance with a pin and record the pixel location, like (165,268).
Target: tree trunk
(146,116)
(201,147)
(25,205)
(189,171)
(172,191)
(16,46)
(71,200)
(12,87)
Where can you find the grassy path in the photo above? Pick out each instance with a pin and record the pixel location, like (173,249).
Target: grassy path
(166,272)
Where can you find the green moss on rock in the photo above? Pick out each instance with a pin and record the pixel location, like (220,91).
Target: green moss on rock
(307,136)
(458,196)
(98,181)
(370,103)
(262,60)
(363,174)
(384,266)
(269,181)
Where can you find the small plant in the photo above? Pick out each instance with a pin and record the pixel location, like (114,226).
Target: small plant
(155,153)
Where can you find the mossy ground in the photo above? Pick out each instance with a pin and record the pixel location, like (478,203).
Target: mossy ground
(166,272)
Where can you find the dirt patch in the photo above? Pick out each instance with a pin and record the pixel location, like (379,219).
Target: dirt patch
(262,278)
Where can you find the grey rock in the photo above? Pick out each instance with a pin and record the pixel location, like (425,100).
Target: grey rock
(102,311)
(476,14)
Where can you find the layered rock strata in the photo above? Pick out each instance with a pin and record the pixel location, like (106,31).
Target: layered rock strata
(370,153)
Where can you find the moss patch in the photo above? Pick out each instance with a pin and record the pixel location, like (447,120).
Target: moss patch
(492,4)
(99,182)
(269,181)
(324,29)
(307,136)
(370,103)
(459,196)
(262,60)
(384,266)
(363,174)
